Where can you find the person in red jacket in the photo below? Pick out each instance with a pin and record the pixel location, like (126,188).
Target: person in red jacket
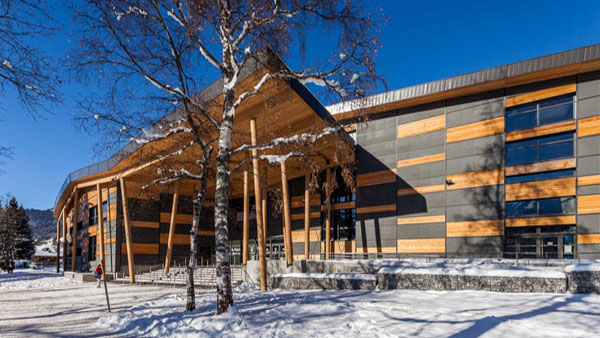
(98,275)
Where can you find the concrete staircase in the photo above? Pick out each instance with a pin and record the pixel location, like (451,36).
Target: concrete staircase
(205,276)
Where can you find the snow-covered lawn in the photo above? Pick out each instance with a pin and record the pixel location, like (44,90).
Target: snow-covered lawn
(365,313)
(58,307)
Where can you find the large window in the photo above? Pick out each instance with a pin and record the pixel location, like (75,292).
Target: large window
(538,114)
(540,149)
(93,212)
(541,207)
(540,176)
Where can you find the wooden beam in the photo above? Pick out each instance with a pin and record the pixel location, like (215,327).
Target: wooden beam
(265,206)
(259,223)
(130,263)
(246,229)
(171,230)
(58,244)
(101,227)
(307,214)
(328,219)
(74,235)
(287,223)
(64,222)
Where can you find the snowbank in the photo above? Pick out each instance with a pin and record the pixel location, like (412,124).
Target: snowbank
(326,275)
(32,279)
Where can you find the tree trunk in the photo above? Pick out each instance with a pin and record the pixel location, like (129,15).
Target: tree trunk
(198,203)
(224,291)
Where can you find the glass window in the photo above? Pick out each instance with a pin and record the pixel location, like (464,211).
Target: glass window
(538,114)
(104,211)
(540,176)
(541,207)
(93,212)
(540,149)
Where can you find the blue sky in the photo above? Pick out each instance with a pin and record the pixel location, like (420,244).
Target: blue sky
(423,41)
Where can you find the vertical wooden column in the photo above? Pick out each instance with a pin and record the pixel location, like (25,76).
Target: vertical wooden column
(259,220)
(264,206)
(64,222)
(171,230)
(74,234)
(307,215)
(100,232)
(246,228)
(130,263)
(287,228)
(58,244)
(328,220)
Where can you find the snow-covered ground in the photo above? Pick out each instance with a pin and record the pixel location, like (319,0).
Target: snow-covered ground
(62,308)
(29,279)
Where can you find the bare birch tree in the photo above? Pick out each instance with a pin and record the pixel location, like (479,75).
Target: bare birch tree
(171,43)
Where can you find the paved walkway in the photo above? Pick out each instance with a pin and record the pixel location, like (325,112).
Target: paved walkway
(67,309)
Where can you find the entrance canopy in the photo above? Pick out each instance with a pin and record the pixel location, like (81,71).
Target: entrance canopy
(282,110)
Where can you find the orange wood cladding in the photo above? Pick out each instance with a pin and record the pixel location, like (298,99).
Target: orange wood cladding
(475,179)
(588,204)
(339,246)
(588,126)
(421,190)
(541,131)
(377,249)
(298,201)
(421,160)
(92,230)
(475,130)
(340,206)
(588,239)
(540,95)
(427,245)
(541,189)
(375,178)
(314,214)
(475,228)
(422,126)
(588,180)
(538,221)
(378,208)
(165,217)
(422,219)
(141,249)
(181,239)
(144,224)
(298,236)
(541,166)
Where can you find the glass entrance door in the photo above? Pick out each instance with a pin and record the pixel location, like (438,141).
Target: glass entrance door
(548,242)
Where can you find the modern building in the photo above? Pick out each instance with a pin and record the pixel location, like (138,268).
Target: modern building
(502,162)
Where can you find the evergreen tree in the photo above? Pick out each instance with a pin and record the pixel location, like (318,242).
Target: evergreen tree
(24,243)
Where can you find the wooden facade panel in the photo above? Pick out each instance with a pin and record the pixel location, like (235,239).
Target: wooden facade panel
(421,190)
(475,228)
(378,249)
(427,245)
(339,206)
(298,201)
(588,204)
(144,224)
(541,131)
(541,189)
(540,95)
(588,180)
(541,166)
(314,214)
(181,239)
(422,160)
(92,230)
(422,126)
(378,208)
(375,178)
(539,221)
(588,239)
(475,130)
(298,236)
(589,126)
(423,219)
(475,179)
(339,246)
(165,217)
(141,249)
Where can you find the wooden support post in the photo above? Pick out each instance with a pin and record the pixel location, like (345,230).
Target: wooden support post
(58,244)
(74,234)
(130,263)
(246,228)
(265,206)
(100,232)
(259,220)
(287,224)
(64,222)
(328,220)
(307,215)
(171,230)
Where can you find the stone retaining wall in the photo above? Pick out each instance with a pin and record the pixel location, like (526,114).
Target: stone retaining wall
(321,283)
(584,281)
